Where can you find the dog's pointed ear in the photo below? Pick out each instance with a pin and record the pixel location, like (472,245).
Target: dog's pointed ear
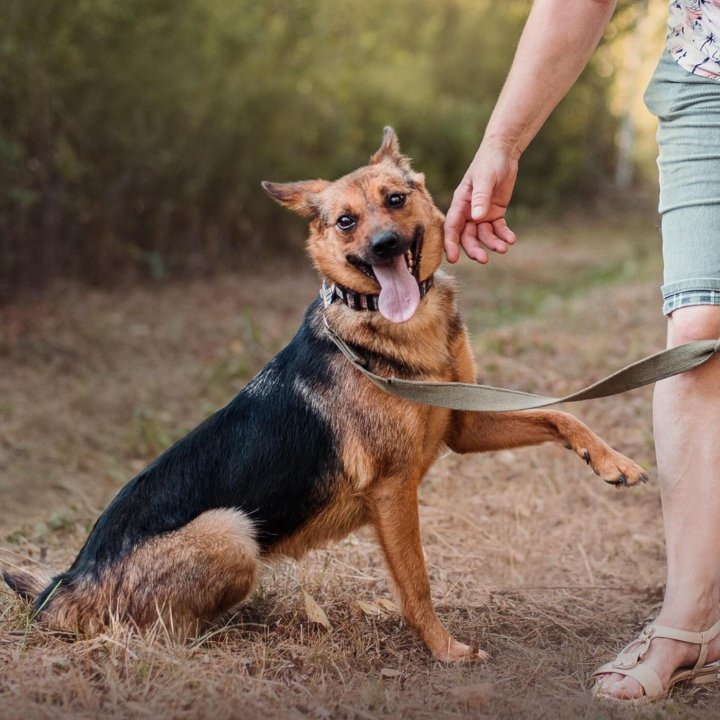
(390,150)
(301,197)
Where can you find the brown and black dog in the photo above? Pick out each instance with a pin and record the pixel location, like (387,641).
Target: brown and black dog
(310,449)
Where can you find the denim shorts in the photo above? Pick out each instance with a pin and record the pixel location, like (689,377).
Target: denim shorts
(688,109)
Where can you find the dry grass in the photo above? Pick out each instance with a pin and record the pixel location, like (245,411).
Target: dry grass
(530,555)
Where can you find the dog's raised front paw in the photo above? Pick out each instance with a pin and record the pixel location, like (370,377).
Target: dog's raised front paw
(613,467)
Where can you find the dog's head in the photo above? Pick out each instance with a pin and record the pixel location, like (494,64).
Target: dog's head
(375,230)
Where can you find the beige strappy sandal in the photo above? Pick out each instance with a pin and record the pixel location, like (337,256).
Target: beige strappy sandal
(629,662)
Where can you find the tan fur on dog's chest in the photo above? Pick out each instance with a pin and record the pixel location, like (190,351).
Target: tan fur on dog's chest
(380,436)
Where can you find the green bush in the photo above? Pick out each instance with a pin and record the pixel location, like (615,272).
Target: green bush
(134,134)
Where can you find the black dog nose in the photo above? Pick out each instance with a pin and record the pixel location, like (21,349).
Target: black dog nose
(385,244)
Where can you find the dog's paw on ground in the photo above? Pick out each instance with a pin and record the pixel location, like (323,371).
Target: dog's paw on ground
(459,652)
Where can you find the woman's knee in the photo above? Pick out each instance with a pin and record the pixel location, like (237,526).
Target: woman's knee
(696,322)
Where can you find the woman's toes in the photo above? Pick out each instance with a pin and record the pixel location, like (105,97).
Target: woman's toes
(620,690)
(603,682)
(606,681)
(619,686)
(625,689)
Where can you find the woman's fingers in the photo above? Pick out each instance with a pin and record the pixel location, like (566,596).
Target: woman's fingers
(487,236)
(475,219)
(503,232)
(483,186)
(455,220)
(477,238)
(472,246)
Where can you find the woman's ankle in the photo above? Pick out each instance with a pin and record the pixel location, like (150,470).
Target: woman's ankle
(684,613)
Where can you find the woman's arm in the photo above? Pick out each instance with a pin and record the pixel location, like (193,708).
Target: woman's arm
(556,44)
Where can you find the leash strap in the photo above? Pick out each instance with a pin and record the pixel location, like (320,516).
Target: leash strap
(485,398)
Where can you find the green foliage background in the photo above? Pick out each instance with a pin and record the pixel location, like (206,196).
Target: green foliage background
(134,133)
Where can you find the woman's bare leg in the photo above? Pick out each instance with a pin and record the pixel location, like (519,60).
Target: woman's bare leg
(686,414)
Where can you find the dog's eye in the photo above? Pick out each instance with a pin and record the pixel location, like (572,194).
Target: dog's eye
(345,222)
(396,200)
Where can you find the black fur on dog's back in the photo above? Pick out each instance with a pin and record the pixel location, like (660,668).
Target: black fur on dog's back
(237,458)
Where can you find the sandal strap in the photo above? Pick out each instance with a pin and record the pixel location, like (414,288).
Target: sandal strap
(647,677)
(629,661)
(696,638)
(688,636)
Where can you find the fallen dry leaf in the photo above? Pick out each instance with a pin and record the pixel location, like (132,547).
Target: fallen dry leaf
(314,612)
(370,608)
(388,605)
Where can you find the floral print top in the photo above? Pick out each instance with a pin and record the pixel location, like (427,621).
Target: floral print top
(693,37)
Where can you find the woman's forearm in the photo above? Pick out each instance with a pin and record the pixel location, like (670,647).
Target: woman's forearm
(558,39)
(556,44)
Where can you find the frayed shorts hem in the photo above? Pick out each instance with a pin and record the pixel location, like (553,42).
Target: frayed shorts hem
(703,291)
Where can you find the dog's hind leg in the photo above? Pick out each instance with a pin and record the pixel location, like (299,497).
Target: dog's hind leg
(394,513)
(184,579)
(193,575)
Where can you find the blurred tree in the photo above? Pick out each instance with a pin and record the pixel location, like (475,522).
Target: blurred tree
(134,134)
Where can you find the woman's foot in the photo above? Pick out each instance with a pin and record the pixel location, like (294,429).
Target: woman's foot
(664,656)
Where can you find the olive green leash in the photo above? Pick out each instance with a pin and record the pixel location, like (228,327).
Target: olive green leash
(485,398)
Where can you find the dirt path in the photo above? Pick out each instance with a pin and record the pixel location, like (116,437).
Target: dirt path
(530,555)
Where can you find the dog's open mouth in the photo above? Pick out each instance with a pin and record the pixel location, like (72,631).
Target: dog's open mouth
(399,279)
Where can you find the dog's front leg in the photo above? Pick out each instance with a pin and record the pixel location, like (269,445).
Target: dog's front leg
(394,513)
(484,431)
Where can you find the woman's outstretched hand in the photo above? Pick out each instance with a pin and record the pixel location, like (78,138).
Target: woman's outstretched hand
(476,217)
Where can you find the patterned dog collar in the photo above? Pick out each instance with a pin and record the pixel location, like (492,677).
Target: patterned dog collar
(359,301)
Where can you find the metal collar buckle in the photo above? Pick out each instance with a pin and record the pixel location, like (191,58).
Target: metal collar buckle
(327,293)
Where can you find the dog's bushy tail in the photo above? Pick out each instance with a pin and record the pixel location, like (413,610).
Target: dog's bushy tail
(26,584)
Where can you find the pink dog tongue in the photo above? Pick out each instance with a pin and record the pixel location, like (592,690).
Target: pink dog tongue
(399,292)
